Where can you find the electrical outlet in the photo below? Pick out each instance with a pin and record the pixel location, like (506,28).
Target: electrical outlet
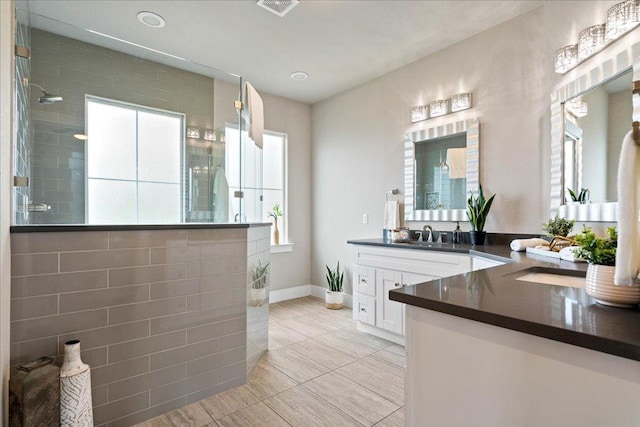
(365,218)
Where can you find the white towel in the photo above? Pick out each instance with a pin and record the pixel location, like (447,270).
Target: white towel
(521,245)
(220,196)
(628,253)
(254,114)
(569,254)
(391,215)
(457,161)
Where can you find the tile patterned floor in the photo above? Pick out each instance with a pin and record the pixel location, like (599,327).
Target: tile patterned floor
(319,371)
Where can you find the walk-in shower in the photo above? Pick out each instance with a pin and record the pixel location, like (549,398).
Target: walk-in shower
(46,98)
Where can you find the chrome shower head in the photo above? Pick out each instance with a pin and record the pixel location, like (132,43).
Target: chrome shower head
(47,98)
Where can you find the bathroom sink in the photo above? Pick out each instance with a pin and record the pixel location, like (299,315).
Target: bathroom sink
(552,277)
(425,244)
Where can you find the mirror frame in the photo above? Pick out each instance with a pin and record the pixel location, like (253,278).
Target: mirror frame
(620,58)
(472,128)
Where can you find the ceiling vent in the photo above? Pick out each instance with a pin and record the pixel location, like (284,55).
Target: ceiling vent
(279,7)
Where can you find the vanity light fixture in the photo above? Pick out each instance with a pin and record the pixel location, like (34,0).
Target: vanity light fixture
(622,17)
(193,132)
(591,40)
(577,107)
(460,101)
(209,135)
(419,113)
(438,108)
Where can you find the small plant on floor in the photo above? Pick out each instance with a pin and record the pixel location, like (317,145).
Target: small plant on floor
(334,297)
(558,226)
(259,275)
(335,278)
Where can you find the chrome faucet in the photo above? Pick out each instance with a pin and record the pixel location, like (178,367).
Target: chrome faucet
(430,230)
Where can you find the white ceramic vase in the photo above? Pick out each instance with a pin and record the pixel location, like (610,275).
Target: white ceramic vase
(600,285)
(75,388)
(334,300)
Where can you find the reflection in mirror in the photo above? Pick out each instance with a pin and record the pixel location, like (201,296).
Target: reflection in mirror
(595,124)
(441,167)
(589,117)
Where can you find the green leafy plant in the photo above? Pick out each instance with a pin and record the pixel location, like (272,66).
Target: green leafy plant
(580,197)
(259,275)
(478,209)
(335,278)
(276,212)
(597,250)
(558,226)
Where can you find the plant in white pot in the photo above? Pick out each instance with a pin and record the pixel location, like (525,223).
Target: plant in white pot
(477,211)
(600,253)
(334,298)
(259,284)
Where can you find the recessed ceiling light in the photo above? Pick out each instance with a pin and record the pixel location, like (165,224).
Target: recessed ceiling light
(80,136)
(299,75)
(151,19)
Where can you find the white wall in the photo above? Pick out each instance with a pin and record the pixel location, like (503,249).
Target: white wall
(594,145)
(293,118)
(358,135)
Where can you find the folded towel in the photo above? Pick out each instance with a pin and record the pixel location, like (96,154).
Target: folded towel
(220,193)
(628,253)
(521,245)
(569,254)
(457,161)
(254,114)
(391,215)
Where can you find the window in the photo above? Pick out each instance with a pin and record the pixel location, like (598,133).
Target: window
(134,159)
(263,174)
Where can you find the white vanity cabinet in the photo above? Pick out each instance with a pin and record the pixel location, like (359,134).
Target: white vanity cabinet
(377,270)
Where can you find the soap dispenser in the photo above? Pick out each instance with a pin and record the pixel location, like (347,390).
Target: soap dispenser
(457,233)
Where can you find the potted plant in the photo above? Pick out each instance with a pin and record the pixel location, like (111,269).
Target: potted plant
(334,297)
(582,197)
(259,275)
(558,226)
(477,211)
(275,214)
(600,253)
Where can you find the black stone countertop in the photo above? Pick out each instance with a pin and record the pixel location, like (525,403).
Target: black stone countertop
(129,227)
(494,296)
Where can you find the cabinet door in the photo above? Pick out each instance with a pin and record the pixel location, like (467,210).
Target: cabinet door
(389,314)
(365,280)
(409,279)
(366,309)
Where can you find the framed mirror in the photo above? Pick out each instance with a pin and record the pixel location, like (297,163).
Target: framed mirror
(441,167)
(589,118)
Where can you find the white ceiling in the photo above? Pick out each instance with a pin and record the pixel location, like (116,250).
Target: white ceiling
(341,44)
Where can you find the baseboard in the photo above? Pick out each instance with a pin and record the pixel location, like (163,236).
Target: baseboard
(289,293)
(303,291)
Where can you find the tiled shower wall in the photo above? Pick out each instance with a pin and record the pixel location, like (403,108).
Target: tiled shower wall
(72,69)
(21,166)
(161,314)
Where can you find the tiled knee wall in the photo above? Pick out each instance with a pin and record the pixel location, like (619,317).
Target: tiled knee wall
(161,314)
(258,250)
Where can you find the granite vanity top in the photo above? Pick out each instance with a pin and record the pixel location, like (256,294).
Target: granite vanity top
(495,296)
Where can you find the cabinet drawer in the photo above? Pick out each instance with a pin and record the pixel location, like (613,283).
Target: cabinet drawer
(367,309)
(365,280)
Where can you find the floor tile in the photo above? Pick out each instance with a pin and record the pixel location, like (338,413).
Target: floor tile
(273,343)
(279,312)
(360,403)
(357,344)
(326,355)
(258,415)
(307,326)
(332,319)
(294,365)
(300,407)
(284,334)
(228,402)
(193,415)
(265,381)
(394,420)
(385,365)
(376,378)
(390,356)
